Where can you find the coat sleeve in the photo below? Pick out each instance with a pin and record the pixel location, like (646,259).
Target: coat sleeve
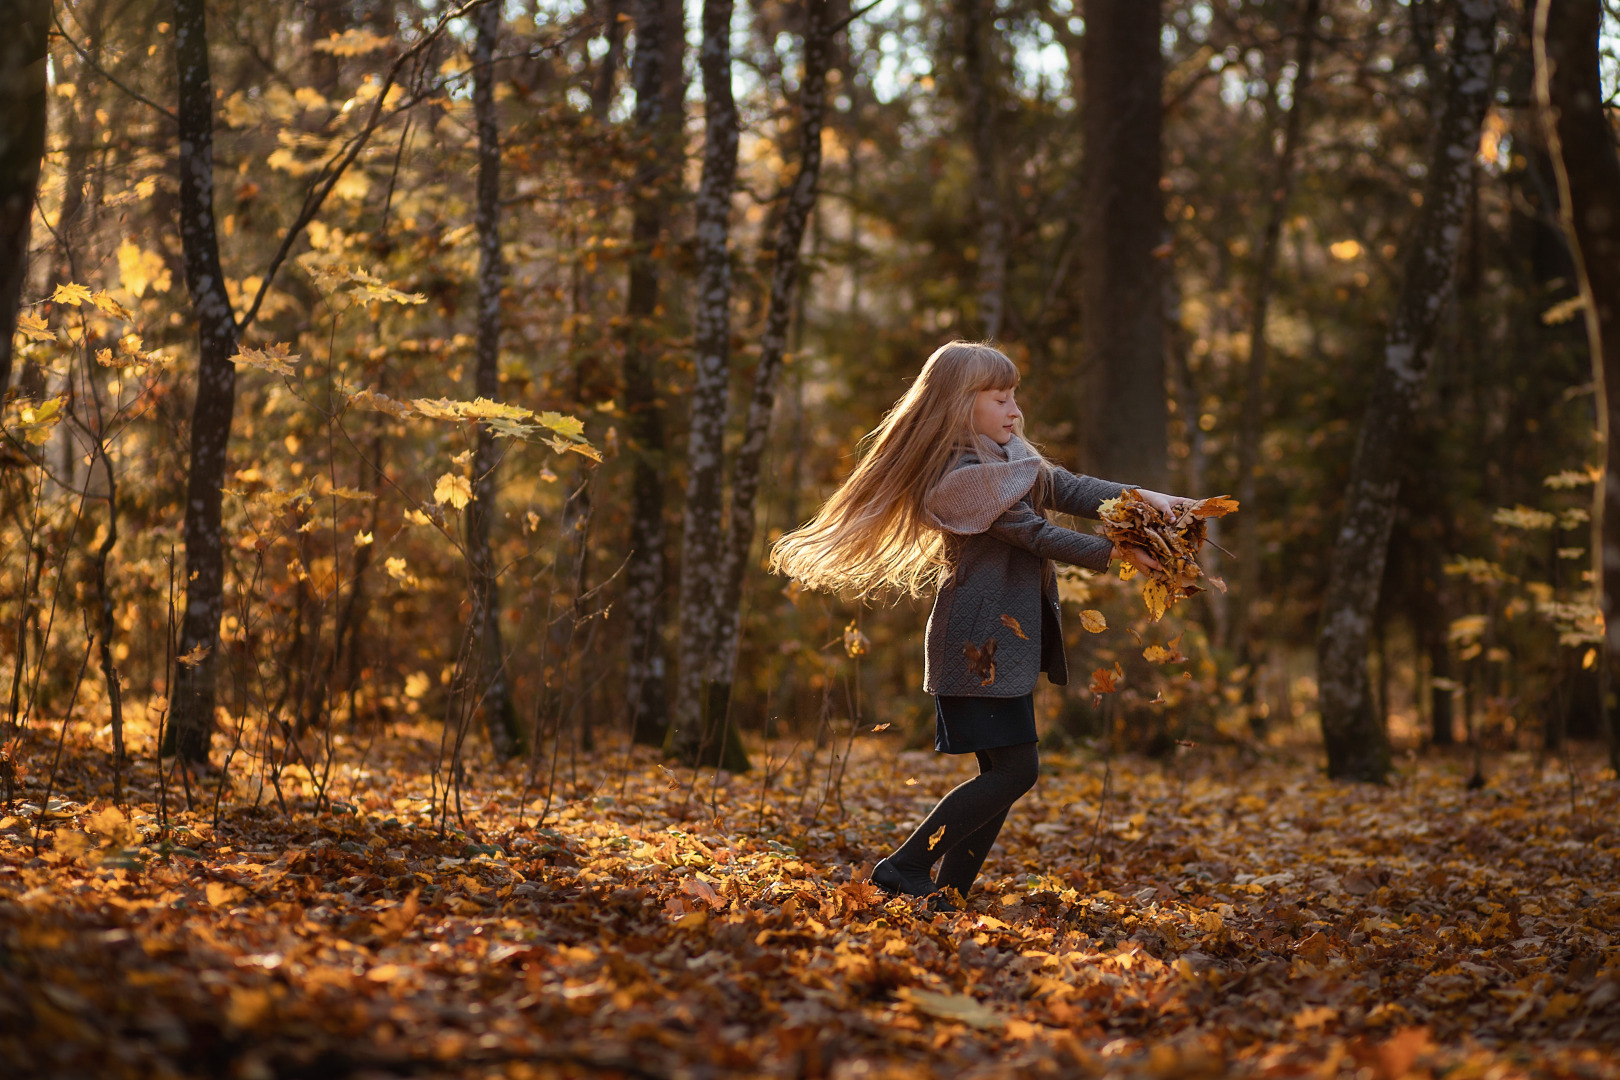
(1022,527)
(1081,495)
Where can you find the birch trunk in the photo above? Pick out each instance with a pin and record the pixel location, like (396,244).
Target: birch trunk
(193,697)
(1248,581)
(1580,139)
(801,202)
(698,731)
(992,254)
(1357,746)
(500,716)
(644,575)
(1125,413)
(22,147)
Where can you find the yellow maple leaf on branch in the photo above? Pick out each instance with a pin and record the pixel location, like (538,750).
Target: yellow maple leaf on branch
(454,489)
(277,359)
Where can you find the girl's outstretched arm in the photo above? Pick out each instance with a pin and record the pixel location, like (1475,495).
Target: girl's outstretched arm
(1082,495)
(1023,527)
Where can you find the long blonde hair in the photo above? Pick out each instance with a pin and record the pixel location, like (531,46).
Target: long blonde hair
(872,537)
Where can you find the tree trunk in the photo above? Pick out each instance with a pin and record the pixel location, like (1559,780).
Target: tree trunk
(607,74)
(22,146)
(657,128)
(1357,747)
(500,715)
(801,200)
(1249,583)
(698,730)
(992,254)
(1124,419)
(193,697)
(1581,141)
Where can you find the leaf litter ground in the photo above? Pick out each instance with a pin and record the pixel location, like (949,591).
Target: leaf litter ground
(1211,916)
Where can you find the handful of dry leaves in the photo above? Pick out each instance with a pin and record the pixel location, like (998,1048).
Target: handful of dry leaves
(1173,540)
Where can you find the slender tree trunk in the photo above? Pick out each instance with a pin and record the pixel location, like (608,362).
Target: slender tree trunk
(785,292)
(1582,144)
(192,720)
(977,33)
(1357,747)
(22,146)
(608,73)
(656,128)
(1125,416)
(1249,578)
(500,715)
(696,732)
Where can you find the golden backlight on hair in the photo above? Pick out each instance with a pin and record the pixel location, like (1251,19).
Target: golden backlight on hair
(871,536)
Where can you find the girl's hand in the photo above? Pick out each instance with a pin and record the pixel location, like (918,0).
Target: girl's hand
(1170,505)
(1136,556)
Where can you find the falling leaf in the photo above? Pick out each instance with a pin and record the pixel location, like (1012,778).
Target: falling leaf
(981,660)
(855,642)
(1156,595)
(1012,624)
(395,565)
(935,837)
(1156,654)
(1105,681)
(195,656)
(1093,621)
(881,727)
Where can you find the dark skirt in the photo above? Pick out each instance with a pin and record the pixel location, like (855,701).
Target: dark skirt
(965,724)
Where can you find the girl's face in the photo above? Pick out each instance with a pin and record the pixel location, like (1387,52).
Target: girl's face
(995,414)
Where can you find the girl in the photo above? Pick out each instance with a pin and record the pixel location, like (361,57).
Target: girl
(949,498)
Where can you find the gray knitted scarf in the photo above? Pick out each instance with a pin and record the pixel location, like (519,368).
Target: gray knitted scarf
(973,494)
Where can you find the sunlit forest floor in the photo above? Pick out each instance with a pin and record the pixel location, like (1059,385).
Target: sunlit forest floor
(1225,912)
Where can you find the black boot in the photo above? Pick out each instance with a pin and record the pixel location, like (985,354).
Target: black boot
(890,878)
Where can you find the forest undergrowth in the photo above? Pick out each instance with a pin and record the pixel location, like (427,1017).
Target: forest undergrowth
(1226,912)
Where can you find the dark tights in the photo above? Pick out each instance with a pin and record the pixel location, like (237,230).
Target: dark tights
(971,814)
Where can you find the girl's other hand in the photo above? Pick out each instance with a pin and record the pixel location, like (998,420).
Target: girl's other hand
(1170,505)
(1137,557)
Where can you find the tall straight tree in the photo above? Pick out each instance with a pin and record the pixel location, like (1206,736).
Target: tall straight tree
(657,130)
(1569,91)
(1124,411)
(785,293)
(500,715)
(696,731)
(1254,397)
(978,33)
(22,146)
(193,696)
(1356,743)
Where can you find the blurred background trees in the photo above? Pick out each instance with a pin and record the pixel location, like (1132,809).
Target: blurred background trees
(1188,222)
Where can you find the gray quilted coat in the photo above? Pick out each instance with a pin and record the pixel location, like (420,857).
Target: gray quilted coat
(1003,576)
